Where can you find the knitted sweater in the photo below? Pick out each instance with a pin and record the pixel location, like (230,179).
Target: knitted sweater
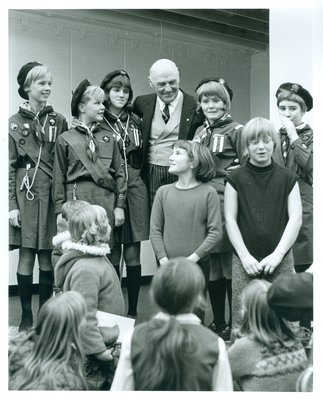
(258,368)
(185,221)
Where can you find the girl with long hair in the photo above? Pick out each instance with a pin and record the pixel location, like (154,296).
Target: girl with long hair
(266,355)
(50,355)
(173,351)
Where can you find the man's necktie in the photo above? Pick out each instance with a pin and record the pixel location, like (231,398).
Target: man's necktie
(165,113)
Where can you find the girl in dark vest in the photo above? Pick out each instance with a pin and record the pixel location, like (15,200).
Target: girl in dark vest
(263,212)
(125,127)
(173,351)
(33,132)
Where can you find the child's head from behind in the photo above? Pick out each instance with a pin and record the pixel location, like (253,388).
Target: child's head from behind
(90,225)
(59,322)
(178,286)
(192,155)
(259,139)
(71,206)
(257,318)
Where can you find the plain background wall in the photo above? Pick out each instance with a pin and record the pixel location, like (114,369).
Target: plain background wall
(80,49)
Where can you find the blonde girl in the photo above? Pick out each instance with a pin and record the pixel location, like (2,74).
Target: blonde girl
(263,212)
(33,132)
(50,355)
(173,351)
(85,268)
(88,164)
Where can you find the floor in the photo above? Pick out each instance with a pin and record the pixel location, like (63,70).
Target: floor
(146,307)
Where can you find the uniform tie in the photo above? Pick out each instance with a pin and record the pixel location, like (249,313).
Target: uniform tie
(165,114)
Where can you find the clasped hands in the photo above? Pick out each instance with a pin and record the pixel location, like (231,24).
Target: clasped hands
(266,266)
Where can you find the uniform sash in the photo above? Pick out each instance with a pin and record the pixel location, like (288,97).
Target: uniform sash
(31,147)
(96,169)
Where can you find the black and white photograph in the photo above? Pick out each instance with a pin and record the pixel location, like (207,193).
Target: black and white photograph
(158,221)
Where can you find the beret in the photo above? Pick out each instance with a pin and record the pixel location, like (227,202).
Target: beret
(22,75)
(111,75)
(299,90)
(291,296)
(77,96)
(108,78)
(218,80)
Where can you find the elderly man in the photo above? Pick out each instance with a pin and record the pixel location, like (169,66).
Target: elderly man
(167,115)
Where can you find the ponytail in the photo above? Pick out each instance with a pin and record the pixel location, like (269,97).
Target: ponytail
(162,364)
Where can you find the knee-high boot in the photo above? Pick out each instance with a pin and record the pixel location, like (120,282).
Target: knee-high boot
(25,288)
(133,287)
(217,293)
(46,281)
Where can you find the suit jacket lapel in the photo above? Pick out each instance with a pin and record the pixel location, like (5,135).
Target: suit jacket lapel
(149,107)
(188,111)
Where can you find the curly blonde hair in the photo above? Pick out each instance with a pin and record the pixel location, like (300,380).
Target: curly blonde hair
(90,226)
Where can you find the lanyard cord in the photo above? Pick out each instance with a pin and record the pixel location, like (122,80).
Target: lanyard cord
(25,180)
(123,140)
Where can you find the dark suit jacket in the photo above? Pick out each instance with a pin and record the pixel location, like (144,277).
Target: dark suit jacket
(144,106)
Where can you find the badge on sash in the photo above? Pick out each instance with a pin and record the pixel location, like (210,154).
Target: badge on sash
(13,126)
(106,139)
(52,133)
(218,143)
(136,136)
(25,132)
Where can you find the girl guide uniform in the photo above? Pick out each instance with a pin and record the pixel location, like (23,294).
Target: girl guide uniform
(88,166)
(223,138)
(126,132)
(32,139)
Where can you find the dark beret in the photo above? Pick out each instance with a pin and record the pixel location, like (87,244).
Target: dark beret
(111,75)
(218,80)
(299,90)
(77,96)
(22,75)
(291,296)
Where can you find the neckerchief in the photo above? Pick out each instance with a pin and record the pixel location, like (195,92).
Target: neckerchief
(27,111)
(92,150)
(204,136)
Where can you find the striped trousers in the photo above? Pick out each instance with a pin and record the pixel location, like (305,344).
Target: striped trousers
(158,176)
